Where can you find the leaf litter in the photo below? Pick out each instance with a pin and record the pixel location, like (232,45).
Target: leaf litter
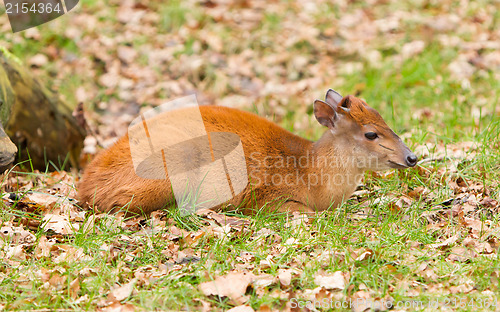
(115,57)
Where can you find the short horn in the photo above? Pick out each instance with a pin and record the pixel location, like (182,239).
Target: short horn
(346,110)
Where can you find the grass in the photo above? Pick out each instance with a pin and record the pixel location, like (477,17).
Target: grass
(418,97)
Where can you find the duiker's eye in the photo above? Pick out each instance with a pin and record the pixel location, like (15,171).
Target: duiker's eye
(371,135)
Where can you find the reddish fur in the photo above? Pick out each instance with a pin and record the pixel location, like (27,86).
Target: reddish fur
(362,113)
(110,181)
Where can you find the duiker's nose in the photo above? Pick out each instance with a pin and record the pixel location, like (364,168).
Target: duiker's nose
(411,160)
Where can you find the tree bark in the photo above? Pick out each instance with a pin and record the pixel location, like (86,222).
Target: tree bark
(39,123)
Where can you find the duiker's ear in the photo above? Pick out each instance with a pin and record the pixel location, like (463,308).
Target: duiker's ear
(325,114)
(333,98)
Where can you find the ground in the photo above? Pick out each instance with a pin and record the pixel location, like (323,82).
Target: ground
(409,239)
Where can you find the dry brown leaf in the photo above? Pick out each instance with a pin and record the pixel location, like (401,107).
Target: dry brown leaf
(15,253)
(298,221)
(126,54)
(57,281)
(41,199)
(366,255)
(43,248)
(263,280)
(333,281)
(476,226)
(62,184)
(16,235)
(266,263)
(69,254)
(461,254)
(119,307)
(285,277)
(479,247)
(121,293)
(74,288)
(241,308)
(222,219)
(222,232)
(489,202)
(186,256)
(232,285)
(38,60)
(446,243)
(205,306)
(246,256)
(363,300)
(89,224)
(265,308)
(59,224)
(464,288)
(428,274)
(82,299)
(413,48)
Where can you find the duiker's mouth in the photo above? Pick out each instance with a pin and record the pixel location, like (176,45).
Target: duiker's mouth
(397,165)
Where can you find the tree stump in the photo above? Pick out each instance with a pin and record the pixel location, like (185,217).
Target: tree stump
(37,121)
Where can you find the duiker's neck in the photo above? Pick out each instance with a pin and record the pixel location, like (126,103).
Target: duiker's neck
(336,168)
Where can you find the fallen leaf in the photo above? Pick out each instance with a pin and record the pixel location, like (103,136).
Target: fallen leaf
(461,254)
(122,292)
(362,301)
(446,243)
(39,60)
(285,277)
(263,280)
(16,235)
(464,288)
(59,224)
(333,281)
(43,248)
(232,285)
(368,254)
(241,308)
(119,307)
(74,288)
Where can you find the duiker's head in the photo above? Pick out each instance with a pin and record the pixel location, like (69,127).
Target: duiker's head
(363,133)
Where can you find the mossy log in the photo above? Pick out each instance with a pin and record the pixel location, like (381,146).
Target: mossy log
(37,121)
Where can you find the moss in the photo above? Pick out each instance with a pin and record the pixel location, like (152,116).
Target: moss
(10,56)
